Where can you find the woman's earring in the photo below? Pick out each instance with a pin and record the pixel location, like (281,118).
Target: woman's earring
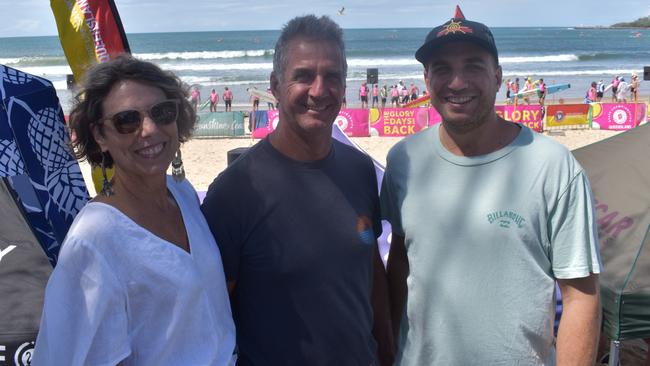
(178,173)
(107,186)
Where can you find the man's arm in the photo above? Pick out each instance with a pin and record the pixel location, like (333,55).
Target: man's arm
(397,271)
(579,330)
(381,329)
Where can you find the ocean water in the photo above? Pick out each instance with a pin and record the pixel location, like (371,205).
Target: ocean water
(242,59)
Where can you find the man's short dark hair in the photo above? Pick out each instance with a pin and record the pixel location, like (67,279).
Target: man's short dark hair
(310,27)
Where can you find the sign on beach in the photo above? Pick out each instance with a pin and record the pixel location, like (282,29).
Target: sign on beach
(528,115)
(567,115)
(396,122)
(617,116)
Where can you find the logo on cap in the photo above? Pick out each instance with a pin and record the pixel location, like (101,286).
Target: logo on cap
(454,27)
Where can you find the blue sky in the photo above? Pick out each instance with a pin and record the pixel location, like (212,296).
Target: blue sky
(34,17)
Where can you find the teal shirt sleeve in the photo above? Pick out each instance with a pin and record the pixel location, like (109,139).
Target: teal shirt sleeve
(573,230)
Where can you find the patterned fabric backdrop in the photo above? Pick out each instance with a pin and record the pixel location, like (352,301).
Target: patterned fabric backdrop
(35,156)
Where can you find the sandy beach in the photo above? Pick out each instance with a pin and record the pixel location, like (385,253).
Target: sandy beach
(204,159)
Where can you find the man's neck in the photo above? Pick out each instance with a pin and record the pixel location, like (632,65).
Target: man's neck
(488,137)
(301,147)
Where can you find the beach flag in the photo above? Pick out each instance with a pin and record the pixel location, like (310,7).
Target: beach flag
(458,14)
(90,32)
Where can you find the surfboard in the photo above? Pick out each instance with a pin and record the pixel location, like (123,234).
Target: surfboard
(550,89)
(264,96)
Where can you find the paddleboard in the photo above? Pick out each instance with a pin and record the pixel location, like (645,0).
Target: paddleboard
(204,105)
(550,89)
(264,96)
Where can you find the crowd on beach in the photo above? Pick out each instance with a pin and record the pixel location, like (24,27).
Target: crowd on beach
(622,91)
(279,264)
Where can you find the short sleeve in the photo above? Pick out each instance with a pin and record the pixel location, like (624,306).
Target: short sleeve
(388,202)
(84,320)
(573,231)
(221,207)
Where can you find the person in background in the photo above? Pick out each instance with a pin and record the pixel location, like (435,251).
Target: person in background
(384,95)
(615,82)
(474,258)
(227,99)
(195,98)
(528,86)
(375,95)
(623,89)
(600,90)
(508,89)
(214,99)
(414,92)
(363,95)
(405,95)
(634,88)
(514,87)
(590,97)
(297,218)
(394,97)
(139,280)
(541,92)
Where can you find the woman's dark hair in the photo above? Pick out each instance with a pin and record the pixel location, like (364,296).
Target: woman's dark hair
(98,82)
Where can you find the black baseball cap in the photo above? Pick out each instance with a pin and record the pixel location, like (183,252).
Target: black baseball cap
(457,29)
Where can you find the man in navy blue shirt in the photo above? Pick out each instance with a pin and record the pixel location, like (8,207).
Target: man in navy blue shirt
(296,219)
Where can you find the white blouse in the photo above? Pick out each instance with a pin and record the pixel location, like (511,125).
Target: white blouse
(120,293)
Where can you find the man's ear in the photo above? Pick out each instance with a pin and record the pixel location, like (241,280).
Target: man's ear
(499,75)
(275,83)
(426,80)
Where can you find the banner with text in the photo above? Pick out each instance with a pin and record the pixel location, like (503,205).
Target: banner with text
(90,32)
(397,122)
(617,116)
(354,122)
(567,115)
(528,115)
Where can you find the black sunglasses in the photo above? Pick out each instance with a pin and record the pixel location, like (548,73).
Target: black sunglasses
(162,113)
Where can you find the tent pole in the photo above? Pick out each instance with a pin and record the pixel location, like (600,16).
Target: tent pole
(614,353)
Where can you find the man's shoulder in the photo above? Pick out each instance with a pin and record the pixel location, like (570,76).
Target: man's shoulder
(414,142)
(347,154)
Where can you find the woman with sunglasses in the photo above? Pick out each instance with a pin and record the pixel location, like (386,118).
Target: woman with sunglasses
(139,280)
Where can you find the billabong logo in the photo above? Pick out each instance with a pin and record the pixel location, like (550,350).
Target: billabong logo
(454,27)
(506,219)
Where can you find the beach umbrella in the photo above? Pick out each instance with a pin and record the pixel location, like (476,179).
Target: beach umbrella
(41,191)
(618,171)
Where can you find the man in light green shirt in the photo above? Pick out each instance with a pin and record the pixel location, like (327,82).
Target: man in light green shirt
(487,215)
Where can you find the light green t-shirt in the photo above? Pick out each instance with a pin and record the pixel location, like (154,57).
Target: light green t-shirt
(486,238)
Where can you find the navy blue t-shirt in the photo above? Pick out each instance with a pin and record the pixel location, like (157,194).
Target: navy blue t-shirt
(297,239)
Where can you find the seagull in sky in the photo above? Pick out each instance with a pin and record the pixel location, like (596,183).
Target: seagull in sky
(342,10)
